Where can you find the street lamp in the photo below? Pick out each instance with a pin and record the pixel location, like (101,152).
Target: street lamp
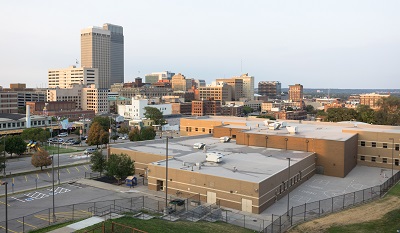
(166,177)
(4,168)
(288,187)
(52,170)
(392,154)
(5,184)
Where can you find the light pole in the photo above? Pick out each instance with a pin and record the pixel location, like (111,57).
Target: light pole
(166,177)
(52,170)
(5,184)
(4,168)
(288,199)
(392,154)
(58,159)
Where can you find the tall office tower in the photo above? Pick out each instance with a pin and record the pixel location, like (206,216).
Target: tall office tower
(95,52)
(248,86)
(116,53)
(271,89)
(296,93)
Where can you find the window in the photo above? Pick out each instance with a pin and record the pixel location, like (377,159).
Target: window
(384,145)
(362,143)
(396,162)
(396,146)
(204,130)
(362,158)
(373,159)
(373,144)
(384,160)
(196,129)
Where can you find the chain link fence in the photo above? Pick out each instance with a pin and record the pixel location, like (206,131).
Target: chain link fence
(301,213)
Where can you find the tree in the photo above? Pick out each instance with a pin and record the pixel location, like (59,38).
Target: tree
(123,130)
(120,166)
(134,135)
(310,109)
(389,111)
(341,114)
(247,110)
(365,114)
(35,134)
(2,157)
(114,137)
(98,161)
(147,133)
(41,158)
(97,135)
(103,121)
(15,145)
(155,115)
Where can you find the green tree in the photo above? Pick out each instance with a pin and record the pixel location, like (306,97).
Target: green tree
(15,145)
(365,114)
(114,137)
(134,135)
(341,114)
(2,157)
(147,133)
(98,161)
(310,109)
(123,129)
(120,166)
(97,135)
(247,110)
(41,158)
(155,115)
(389,111)
(103,121)
(35,134)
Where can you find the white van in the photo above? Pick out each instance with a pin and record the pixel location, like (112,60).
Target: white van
(199,145)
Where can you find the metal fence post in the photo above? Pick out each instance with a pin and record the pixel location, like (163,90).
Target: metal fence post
(143,200)
(344,198)
(319,208)
(23,224)
(371,192)
(354,198)
(363,195)
(244,221)
(131,203)
(291,217)
(305,210)
(272,223)
(280,223)
(49,216)
(332,204)
(73,211)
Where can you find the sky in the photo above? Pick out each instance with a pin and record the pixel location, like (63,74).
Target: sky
(319,44)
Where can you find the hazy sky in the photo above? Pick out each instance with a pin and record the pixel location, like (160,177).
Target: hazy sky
(329,44)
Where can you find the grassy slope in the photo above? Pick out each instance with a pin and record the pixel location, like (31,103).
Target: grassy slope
(158,225)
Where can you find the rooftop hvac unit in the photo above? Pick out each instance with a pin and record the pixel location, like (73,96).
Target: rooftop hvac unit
(292,129)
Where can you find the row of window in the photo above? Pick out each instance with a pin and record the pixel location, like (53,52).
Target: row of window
(20,124)
(384,160)
(189,129)
(384,145)
(286,185)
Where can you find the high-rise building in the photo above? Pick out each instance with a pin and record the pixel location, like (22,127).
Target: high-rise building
(159,76)
(64,78)
(296,93)
(181,83)
(221,91)
(248,86)
(271,89)
(237,87)
(372,99)
(116,52)
(103,48)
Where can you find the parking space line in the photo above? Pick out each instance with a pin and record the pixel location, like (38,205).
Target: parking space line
(34,227)
(9,230)
(48,174)
(85,167)
(17,199)
(4,203)
(26,179)
(68,171)
(41,218)
(77,169)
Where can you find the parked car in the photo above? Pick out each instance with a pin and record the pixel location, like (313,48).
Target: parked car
(77,142)
(51,140)
(62,135)
(178,202)
(89,151)
(60,140)
(123,137)
(199,145)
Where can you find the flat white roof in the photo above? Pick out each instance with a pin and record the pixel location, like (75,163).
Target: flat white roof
(248,163)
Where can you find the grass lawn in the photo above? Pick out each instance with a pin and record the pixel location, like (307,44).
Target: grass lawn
(158,225)
(63,150)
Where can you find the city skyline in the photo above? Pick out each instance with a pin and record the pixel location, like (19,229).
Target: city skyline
(345,44)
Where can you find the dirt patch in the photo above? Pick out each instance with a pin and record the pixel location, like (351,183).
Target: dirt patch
(364,213)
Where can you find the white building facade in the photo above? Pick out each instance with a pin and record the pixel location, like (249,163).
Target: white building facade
(136,110)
